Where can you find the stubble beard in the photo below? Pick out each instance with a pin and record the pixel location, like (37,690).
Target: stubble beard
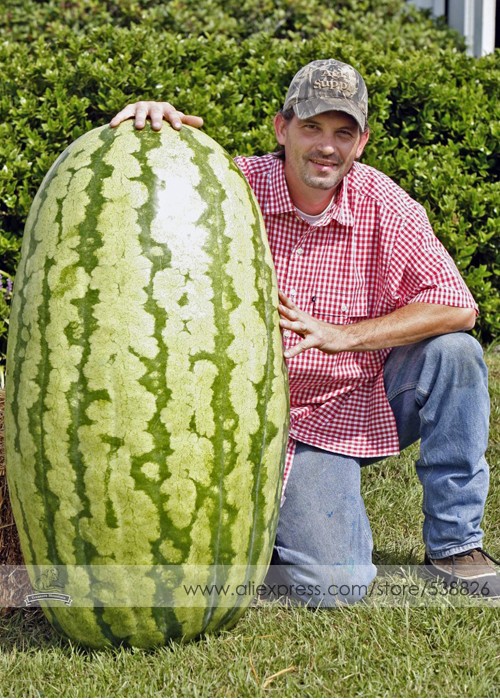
(326,182)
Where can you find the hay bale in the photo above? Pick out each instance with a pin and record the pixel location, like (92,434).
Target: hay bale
(14,582)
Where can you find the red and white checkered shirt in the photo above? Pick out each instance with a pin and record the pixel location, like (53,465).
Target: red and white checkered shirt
(372,252)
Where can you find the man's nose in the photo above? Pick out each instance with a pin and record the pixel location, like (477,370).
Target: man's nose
(328,147)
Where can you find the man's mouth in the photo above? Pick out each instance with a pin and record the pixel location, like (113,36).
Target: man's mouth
(322,163)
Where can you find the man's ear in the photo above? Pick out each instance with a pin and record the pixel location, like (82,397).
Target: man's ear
(280,128)
(362,143)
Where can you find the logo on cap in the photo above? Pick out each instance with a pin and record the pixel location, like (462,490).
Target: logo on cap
(342,79)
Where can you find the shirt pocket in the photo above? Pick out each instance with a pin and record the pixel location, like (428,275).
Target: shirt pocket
(340,306)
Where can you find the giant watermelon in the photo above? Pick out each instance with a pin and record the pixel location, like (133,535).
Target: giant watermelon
(146,394)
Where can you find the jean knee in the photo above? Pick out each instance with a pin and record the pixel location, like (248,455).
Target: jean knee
(458,355)
(455,346)
(346,584)
(321,586)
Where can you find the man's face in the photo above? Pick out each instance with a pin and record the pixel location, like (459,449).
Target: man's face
(318,151)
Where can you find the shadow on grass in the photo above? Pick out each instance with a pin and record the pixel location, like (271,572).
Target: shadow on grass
(27,629)
(396,557)
(23,629)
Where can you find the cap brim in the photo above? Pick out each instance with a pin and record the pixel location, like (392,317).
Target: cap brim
(317,105)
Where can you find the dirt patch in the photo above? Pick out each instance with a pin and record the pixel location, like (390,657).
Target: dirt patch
(14,582)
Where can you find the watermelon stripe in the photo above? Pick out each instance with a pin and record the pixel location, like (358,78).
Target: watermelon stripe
(263,516)
(66,335)
(193,352)
(101,528)
(149,470)
(21,375)
(40,255)
(224,301)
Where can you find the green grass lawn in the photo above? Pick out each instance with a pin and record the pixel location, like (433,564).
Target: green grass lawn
(447,648)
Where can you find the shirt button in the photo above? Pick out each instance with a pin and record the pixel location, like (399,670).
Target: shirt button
(286,334)
(293,292)
(299,251)
(345,308)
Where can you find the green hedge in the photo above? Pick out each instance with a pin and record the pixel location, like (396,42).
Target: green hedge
(298,19)
(69,66)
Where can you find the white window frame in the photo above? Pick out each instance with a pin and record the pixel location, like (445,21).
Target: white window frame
(474,19)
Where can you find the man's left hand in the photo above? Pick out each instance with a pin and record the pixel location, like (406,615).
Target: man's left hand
(315,333)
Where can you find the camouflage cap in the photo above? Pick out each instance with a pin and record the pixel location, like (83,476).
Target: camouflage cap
(326,85)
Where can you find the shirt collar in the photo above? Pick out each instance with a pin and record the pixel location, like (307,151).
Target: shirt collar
(279,201)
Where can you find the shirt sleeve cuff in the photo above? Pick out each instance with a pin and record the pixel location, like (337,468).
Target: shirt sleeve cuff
(447,297)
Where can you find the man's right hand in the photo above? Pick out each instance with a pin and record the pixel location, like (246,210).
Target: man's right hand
(156,112)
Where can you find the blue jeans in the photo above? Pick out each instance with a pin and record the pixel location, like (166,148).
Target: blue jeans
(438,392)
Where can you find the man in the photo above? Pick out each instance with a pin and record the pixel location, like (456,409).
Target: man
(373,313)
